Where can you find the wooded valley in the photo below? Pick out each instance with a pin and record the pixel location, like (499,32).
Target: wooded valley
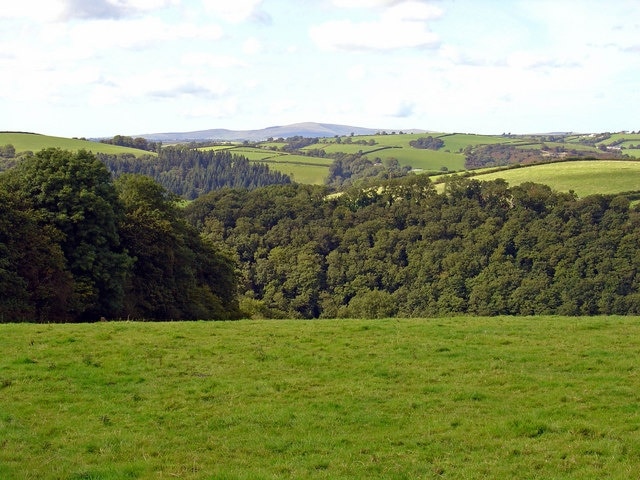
(79,245)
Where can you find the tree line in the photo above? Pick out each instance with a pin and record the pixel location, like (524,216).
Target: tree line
(139,142)
(189,172)
(496,155)
(402,249)
(75,245)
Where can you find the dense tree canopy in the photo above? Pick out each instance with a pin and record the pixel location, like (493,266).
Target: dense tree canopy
(73,247)
(429,143)
(73,194)
(176,273)
(402,249)
(189,172)
(138,142)
(76,245)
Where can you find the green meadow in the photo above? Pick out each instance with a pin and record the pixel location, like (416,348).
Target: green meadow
(301,168)
(585,177)
(502,397)
(582,177)
(34,142)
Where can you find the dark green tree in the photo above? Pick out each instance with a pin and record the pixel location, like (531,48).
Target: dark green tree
(73,194)
(177,274)
(34,285)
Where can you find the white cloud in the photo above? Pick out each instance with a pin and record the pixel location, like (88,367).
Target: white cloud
(252,46)
(396,107)
(202,59)
(532,60)
(171,84)
(136,33)
(52,10)
(401,25)
(157,86)
(356,72)
(32,9)
(347,35)
(363,3)
(235,11)
(412,11)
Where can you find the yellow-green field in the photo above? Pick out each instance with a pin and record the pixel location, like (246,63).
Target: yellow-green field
(33,142)
(583,177)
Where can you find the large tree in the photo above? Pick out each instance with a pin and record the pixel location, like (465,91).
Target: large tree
(177,274)
(73,194)
(34,284)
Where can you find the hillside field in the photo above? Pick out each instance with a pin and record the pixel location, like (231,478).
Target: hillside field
(581,176)
(586,177)
(301,168)
(33,142)
(501,397)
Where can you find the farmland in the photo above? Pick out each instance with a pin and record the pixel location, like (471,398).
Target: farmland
(33,142)
(502,397)
(301,168)
(304,167)
(583,177)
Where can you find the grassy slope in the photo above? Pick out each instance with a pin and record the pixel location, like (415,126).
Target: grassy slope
(302,169)
(543,397)
(29,141)
(583,177)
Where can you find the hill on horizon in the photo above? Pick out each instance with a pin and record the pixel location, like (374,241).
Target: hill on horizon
(304,129)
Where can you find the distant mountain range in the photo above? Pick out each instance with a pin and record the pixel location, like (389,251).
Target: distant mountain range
(306,129)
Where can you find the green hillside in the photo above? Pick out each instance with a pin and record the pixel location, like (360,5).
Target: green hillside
(582,177)
(301,168)
(585,177)
(35,142)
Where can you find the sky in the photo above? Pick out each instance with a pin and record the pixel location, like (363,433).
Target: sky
(97,68)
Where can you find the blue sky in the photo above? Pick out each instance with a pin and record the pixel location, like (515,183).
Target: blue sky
(106,67)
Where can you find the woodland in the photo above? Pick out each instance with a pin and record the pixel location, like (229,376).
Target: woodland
(84,238)
(76,245)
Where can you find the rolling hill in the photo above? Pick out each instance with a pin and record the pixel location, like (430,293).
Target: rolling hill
(310,165)
(584,177)
(34,142)
(305,129)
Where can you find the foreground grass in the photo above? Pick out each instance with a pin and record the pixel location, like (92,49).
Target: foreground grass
(540,397)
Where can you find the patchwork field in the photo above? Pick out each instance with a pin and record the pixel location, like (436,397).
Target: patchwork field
(582,177)
(540,397)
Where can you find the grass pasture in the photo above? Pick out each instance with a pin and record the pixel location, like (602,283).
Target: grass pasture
(397,146)
(539,397)
(34,142)
(585,177)
(302,169)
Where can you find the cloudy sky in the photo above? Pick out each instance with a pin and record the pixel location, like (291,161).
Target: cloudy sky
(106,67)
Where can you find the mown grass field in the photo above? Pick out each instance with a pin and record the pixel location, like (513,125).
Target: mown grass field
(583,177)
(33,142)
(539,397)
